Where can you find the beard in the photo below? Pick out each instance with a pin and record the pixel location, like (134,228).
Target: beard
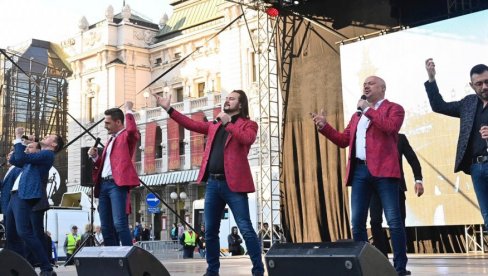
(228,109)
(483,94)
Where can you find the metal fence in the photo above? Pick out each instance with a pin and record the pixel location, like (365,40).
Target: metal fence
(162,249)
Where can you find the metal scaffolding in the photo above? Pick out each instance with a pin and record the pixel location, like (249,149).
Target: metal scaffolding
(33,95)
(269,128)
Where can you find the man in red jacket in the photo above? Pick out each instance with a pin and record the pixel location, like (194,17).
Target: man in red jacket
(114,175)
(372,137)
(226,169)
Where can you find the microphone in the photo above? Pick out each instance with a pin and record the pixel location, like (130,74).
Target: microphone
(360,110)
(216,120)
(97,141)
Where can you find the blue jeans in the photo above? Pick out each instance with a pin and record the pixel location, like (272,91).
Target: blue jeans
(19,228)
(363,185)
(479,176)
(113,218)
(380,240)
(217,195)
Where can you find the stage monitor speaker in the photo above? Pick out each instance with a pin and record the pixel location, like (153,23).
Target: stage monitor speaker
(330,258)
(12,264)
(118,260)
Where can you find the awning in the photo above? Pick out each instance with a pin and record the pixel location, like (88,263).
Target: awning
(159,179)
(162,179)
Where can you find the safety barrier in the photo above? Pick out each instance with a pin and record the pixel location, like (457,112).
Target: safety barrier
(162,249)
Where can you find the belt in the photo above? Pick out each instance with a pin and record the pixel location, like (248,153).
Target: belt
(480,159)
(106,178)
(217,176)
(360,161)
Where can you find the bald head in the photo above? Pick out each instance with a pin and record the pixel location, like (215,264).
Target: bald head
(374,89)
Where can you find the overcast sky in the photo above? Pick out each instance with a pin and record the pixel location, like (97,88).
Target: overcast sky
(55,20)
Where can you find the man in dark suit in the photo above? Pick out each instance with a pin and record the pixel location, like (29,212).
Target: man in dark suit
(471,154)
(26,192)
(114,175)
(373,164)
(226,169)
(380,239)
(6,186)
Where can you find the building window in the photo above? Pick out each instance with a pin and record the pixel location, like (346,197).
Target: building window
(201,89)
(182,138)
(179,94)
(91,109)
(254,67)
(159,139)
(158,61)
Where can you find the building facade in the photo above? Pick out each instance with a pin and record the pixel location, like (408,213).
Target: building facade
(115,59)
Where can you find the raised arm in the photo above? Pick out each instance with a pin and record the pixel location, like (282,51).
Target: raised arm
(436,101)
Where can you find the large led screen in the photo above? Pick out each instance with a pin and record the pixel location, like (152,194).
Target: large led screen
(456,45)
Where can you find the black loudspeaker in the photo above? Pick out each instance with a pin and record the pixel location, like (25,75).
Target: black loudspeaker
(86,168)
(12,264)
(118,260)
(330,258)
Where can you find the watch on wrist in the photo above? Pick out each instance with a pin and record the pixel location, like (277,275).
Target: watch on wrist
(419,182)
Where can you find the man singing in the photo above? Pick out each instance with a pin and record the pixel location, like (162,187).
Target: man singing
(28,190)
(226,169)
(114,175)
(373,166)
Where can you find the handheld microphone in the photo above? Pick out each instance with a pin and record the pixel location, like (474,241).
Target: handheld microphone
(97,141)
(216,120)
(360,110)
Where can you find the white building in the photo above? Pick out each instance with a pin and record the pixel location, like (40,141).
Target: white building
(114,59)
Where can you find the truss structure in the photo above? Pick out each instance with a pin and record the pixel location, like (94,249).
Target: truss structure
(33,95)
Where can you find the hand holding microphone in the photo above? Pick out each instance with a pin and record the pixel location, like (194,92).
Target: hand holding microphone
(361,106)
(93,151)
(222,117)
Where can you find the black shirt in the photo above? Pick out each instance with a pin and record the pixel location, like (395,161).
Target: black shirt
(216,159)
(478,145)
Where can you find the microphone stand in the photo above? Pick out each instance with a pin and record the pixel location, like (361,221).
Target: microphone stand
(90,240)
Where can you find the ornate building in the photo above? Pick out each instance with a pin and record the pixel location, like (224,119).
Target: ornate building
(115,59)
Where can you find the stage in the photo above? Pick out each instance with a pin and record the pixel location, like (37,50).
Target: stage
(451,264)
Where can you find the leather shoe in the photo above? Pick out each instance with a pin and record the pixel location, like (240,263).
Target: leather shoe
(403,273)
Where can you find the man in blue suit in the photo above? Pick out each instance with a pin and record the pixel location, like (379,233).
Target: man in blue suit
(6,186)
(26,192)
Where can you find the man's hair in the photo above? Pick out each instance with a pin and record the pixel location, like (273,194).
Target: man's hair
(115,114)
(38,146)
(478,69)
(244,113)
(59,143)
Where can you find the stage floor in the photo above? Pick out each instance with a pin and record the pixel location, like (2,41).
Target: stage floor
(451,264)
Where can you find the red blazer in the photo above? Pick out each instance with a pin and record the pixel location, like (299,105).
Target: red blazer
(123,149)
(381,140)
(242,135)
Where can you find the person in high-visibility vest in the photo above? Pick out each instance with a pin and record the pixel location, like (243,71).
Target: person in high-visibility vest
(188,240)
(70,243)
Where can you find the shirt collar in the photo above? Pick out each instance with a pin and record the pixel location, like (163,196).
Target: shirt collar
(117,134)
(377,105)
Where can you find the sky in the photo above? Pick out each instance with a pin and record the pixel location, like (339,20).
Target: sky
(56,20)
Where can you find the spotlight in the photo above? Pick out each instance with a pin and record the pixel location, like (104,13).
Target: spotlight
(272,11)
